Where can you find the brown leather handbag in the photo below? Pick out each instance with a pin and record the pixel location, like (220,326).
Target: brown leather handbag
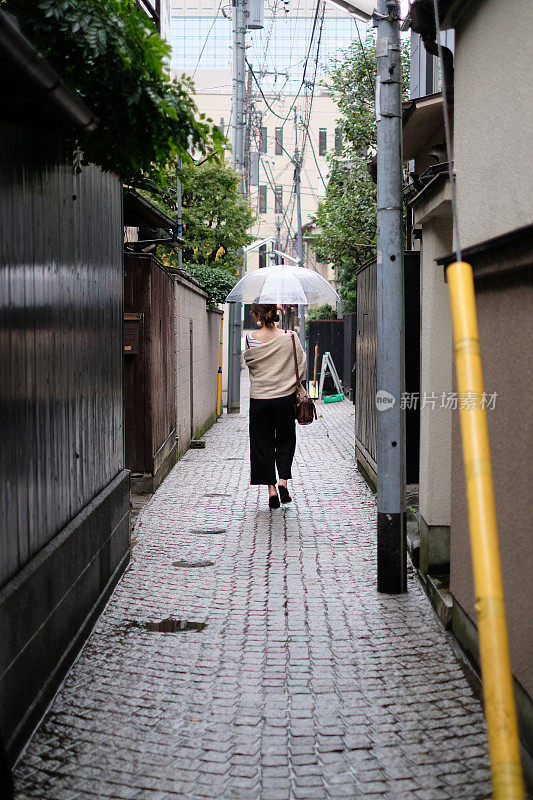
(304,409)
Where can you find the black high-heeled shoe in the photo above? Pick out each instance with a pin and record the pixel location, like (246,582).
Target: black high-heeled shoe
(284,495)
(273,501)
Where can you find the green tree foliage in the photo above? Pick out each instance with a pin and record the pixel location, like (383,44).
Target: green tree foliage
(216,221)
(216,281)
(110,53)
(321,312)
(347,215)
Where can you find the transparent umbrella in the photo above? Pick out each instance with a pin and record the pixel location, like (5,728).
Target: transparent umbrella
(283,284)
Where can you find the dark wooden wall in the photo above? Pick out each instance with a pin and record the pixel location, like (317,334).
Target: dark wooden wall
(328,334)
(350,340)
(150,374)
(60,340)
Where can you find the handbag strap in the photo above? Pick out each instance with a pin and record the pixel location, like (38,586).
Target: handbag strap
(298,382)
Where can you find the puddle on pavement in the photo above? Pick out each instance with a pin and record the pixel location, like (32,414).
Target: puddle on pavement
(192,564)
(168,625)
(208,531)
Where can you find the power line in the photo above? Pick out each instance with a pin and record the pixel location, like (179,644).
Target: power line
(316,160)
(367,67)
(310,88)
(310,98)
(261,91)
(207,38)
(302,84)
(271,181)
(313,193)
(273,12)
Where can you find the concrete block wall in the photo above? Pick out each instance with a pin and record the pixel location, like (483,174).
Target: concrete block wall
(197,332)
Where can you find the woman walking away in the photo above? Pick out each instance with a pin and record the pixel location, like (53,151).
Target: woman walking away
(269,356)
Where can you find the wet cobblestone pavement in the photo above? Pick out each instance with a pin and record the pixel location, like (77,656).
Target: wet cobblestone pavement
(305,683)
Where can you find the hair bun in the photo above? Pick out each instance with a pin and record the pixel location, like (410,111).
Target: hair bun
(267,313)
(272,315)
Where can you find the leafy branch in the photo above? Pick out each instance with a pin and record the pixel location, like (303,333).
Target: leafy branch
(112,55)
(347,215)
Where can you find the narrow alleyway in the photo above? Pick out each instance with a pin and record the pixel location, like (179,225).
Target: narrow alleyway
(304,683)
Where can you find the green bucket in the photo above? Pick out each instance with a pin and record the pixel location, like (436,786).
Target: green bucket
(333,398)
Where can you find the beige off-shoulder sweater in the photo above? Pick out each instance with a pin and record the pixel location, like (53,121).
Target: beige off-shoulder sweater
(271,367)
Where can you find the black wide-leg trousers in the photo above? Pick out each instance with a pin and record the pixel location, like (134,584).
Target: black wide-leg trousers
(272,438)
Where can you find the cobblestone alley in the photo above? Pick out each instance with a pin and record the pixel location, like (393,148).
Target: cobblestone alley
(304,683)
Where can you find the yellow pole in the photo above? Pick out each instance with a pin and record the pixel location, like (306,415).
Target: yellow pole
(504,749)
(219,376)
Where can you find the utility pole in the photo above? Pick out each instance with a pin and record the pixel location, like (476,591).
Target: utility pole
(234,343)
(297,189)
(392,560)
(248,135)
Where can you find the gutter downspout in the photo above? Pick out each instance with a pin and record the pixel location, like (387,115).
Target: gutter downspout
(423,22)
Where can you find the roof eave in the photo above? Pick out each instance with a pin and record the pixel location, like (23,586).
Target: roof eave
(24,57)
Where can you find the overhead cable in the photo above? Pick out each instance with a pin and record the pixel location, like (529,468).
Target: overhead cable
(367,67)
(207,38)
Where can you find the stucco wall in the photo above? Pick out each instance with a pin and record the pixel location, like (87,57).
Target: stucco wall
(192,314)
(435,374)
(494,167)
(506,332)
(494,119)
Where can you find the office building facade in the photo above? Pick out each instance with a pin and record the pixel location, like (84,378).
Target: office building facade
(287,102)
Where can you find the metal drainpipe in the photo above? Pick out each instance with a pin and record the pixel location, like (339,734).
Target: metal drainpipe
(423,22)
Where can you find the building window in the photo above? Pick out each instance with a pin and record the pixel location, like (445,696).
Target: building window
(262,140)
(279,141)
(338,140)
(262,256)
(262,199)
(278,200)
(322,141)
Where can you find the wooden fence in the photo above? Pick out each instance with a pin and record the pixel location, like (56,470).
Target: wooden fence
(149,370)
(366,374)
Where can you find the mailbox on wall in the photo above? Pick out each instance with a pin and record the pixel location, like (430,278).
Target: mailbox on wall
(132,334)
